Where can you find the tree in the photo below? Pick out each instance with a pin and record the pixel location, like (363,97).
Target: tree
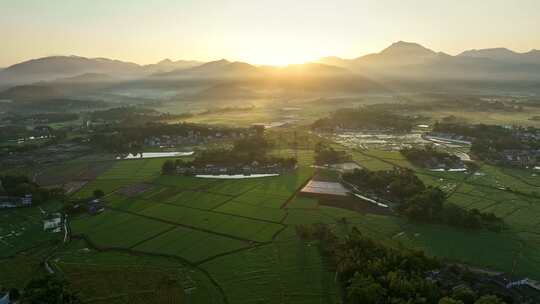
(464,294)
(365,290)
(98,193)
(48,289)
(447,300)
(14,294)
(489,299)
(168,168)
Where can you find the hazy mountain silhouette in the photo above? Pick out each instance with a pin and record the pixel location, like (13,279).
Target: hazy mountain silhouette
(214,69)
(414,61)
(88,77)
(30,93)
(167,65)
(58,67)
(504,55)
(310,69)
(50,68)
(401,60)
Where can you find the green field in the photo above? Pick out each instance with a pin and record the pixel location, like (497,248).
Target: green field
(237,237)
(116,277)
(509,193)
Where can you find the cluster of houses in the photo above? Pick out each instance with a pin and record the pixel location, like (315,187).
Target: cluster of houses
(192,138)
(248,169)
(15,201)
(506,286)
(519,158)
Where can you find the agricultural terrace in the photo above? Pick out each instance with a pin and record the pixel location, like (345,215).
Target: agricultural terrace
(237,237)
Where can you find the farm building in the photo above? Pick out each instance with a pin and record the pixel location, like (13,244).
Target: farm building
(336,195)
(53,223)
(94,206)
(319,188)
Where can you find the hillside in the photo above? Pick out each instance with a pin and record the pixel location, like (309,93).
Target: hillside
(88,77)
(167,65)
(50,68)
(213,69)
(59,67)
(30,92)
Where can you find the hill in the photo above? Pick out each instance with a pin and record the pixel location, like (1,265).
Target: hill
(214,69)
(310,69)
(65,67)
(30,93)
(87,77)
(50,68)
(168,65)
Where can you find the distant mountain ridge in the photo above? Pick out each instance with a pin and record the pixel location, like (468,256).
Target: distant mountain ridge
(63,67)
(504,54)
(412,60)
(401,60)
(227,69)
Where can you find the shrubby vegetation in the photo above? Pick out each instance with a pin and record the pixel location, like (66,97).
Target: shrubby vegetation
(130,139)
(20,185)
(364,119)
(48,289)
(373,273)
(42,118)
(418,202)
(395,185)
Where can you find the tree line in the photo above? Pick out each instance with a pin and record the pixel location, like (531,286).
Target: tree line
(364,118)
(371,272)
(419,202)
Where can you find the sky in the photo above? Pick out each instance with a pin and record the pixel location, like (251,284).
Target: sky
(274,32)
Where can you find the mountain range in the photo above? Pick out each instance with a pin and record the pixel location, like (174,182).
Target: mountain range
(401,60)
(406,60)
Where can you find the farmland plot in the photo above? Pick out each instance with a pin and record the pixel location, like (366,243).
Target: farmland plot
(286,271)
(191,244)
(198,199)
(115,229)
(247,210)
(235,226)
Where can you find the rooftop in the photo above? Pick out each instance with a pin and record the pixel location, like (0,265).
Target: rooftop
(330,188)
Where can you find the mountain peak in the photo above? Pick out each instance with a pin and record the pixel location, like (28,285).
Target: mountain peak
(166,61)
(403,47)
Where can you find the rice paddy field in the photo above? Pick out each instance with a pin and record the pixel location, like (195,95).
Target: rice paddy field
(511,194)
(234,241)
